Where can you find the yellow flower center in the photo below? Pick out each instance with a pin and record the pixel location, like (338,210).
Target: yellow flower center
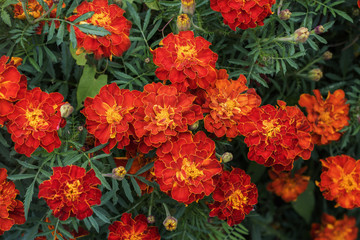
(170,224)
(72,192)
(101,19)
(188,170)
(324,117)
(229,107)
(35,118)
(270,128)
(120,171)
(348,182)
(338,235)
(163,115)
(186,52)
(237,199)
(113,114)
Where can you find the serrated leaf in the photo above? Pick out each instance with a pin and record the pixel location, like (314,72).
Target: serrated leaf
(344,15)
(136,186)
(100,176)
(5,16)
(27,165)
(73,37)
(100,215)
(145,168)
(28,198)
(84,17)
(134,15)
(93,30)
(60,34)
(127,190)
(20,176)
(94,223)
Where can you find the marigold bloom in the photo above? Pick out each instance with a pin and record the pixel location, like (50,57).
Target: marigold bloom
(163,112)
(128,228)
(333,229)
(187,171)
(328,116)
(35,121)
(227,102)
(340,181)
(11,209)
(286,186)
(243,14)
(186,61)
(109,114)
(276,136)
(234,196)
(70,192)
(170,223)
(109,17)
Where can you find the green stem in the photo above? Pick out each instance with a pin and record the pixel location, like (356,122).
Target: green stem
(55,230)
(23,4)
(45,14)
(166,210)
(309,65)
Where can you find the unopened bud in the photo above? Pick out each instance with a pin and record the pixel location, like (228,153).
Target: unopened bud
(119,173)
(285,14)
(170,223)
(80,128)
(327,55)
(301,35)
(356,12)
(150,219)
(319,29)
(188,6)
(66,109)
(147,60)
(183,22)
(194,126)
(227,157)
(315,74)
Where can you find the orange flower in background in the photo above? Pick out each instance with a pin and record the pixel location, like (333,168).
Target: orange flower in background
(12,86)
(227,102)
(328,116)
(186,61)
(358,3)
(288,186)
(137,228)
(70,192)
(35,121)
(334,229)
(276,136)
(109,17)
(162,113)
(109,114)
(186,171)
(11,209)
(243,14)
(234,195)
(340,181)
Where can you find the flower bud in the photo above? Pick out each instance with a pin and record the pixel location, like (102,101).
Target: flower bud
(227,157)
(66,109)
(188,6)
(170,223)
(147,60)
(356,12)
(319,29)
(150,219)
(285,14)
(315,74)
(119,173)
(80,128)
(327,55)
(194,126)
(301,35)
(183,22)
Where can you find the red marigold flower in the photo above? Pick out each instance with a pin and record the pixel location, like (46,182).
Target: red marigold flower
(227,102)
(186,61)
(288,186)
(358,3)
(243,14)
(12,86)
(108,115)
(70,192)
(333,229)
(276,136)
(11,209)
(340,181)
(187,171)
(35,121)
(234,196)
(163,112)
(109,17)
(137,228)
(328,116)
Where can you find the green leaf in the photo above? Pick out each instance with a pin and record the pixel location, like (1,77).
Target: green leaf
(152,4)
(80,58)
(100,176)
(20,176)
(94,223)
(304,205)
(3,141)
(60,34)
(6,17)
(100,215)
(27,165)
(93,30)
(28,198)
(127,189)
(145,168)
(136,186)
(344,15)
(72,37)
(83,17)
(134,15)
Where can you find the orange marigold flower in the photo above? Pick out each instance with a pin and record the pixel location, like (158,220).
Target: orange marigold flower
(358,3)
(108,115)
(187,171)
(243,14)
(340,181)
(70,192)
(137,228)
(11,209)
(333,229)
(186,61)
(12,86)
(109,17)
(276,136)
(328,116)
(234,196)
(35,121)
(288,186)
(163,112)
(227,102)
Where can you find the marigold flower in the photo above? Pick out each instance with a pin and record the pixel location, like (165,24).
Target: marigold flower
(286,186)
(109,114)
(70,192)
(11,209)
(358,3)
(276,136)
(186,170)
(183,22)
(243,14)
(227,101)
(137,228)
(333,229)
(340,181)
(186,61)
(170,223)
(188,6)
(234,196)
(109,17)
(163,112)
(327,117)
(35,121)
